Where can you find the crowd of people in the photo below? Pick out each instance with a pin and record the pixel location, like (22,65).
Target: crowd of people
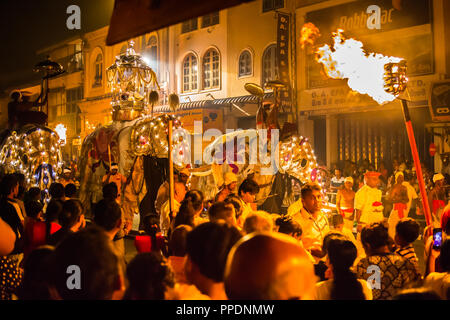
(222,248)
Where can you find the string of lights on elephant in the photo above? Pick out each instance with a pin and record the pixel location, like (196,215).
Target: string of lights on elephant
(35,152)
(149,137)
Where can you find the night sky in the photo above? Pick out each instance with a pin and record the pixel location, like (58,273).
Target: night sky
(28,26)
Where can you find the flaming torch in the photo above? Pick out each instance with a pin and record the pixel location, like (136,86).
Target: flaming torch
(381,77)
(395,83)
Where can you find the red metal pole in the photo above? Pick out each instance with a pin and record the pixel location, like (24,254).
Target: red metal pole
(415,155)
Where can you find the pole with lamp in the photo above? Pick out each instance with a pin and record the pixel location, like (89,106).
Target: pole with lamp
(395,81)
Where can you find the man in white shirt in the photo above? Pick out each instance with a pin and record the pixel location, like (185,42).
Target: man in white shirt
(165,219)
(313,221)
(368,204)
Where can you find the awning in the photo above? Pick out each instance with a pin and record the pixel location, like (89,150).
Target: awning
(241,99)
(132,18)
(213,103)
(185,106)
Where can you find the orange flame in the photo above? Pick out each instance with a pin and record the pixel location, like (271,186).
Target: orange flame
(348,60)
(309,34)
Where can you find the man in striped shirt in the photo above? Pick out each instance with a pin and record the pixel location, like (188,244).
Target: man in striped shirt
(406,232)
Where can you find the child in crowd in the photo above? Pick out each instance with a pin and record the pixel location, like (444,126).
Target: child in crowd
(407,231)
(33,221)
(337,221)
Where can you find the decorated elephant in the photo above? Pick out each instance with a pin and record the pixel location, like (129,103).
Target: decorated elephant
(140,149)
(269,164)
(35,151)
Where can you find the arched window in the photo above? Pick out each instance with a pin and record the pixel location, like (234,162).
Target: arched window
(98,65)
(245,63)
(190,73)
(269,64)
(151,53)
(211,69)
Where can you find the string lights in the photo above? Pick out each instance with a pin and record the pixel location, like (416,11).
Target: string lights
(35,152)
(297,158)
(130,80)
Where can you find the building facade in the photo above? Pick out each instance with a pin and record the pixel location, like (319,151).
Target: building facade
(348,126)
(208,60)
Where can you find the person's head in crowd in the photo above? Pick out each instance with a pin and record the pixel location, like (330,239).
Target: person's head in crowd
(259,221)
(183,175)
(53,210)
(445,256)
(9,186)
(248,190)
(375,238)
(311,195)
(114,168)
(348,183)
(108,215)
(179,191)
(445,225)
(70,190)
(190,207)
(372,179)
(22,185)
(438,180)
(341,256)
(33,210)
(33,194)
(67,172)
(222,211)
(337,221)
(36,276)
(84,266)
(151,224)
(177,242)
(110,191)
(269,266)
(406,232)
(72,215)
(337,173)
(289,226)
(207,247)
(416,294)
(329,237)
(149,277)
(399,177)
(230,181)
(236,202)
(56,191)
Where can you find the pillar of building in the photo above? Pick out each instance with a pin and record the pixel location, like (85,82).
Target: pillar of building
(332,133)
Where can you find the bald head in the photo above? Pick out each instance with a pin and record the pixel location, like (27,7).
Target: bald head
(268,266)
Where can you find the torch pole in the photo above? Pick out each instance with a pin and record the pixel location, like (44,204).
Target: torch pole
(109,157)
(171,182)
(415,155)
